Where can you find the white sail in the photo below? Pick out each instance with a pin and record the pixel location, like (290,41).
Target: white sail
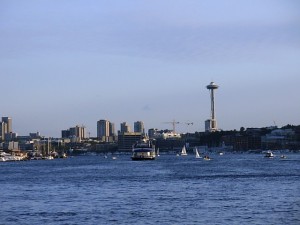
(183,151)
(197,153)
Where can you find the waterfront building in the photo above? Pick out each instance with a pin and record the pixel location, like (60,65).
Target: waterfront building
(279,139)
(13,145)
(127,139)
(139,127)
(152,132)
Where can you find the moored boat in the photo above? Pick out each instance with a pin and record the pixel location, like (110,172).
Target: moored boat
(5,157)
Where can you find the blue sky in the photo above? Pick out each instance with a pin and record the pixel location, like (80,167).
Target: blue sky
(64,63)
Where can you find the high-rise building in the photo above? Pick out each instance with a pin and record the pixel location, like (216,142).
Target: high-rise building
(125,128)
(77,134)
(103,131)
(5,127)
(65,133)
(139,127)
(111,129)
(8,122)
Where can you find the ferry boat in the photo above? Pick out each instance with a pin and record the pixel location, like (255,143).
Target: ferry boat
(143,150)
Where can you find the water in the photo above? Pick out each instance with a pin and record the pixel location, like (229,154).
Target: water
(230,189)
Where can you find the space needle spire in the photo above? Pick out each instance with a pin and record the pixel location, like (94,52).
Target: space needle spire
(211,124)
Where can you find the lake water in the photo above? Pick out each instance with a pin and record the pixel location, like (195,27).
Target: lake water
(230,189)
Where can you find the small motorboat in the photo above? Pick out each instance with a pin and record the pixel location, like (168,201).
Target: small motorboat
(206,157)
(269,154)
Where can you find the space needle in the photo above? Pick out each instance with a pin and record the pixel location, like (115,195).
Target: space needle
(211,124)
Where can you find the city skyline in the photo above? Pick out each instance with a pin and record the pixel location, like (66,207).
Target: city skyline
(66,63)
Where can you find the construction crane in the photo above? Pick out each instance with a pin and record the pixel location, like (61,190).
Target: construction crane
(174,122)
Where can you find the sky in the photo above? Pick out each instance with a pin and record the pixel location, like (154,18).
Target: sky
(73,62)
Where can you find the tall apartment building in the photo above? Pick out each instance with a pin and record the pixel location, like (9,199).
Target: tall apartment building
(77,133)
(8,122)
(112,129)
(125,128)
(103,130)
(139,127)
(5,127)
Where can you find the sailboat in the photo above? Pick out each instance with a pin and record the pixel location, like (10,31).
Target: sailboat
(183,151)
(157,152)
(197,154)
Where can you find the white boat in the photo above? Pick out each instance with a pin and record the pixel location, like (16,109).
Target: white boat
(49,157)
(197,153)
(283,156)
(183,151)
(143,150)
(206,157)
(269,154)
(4,157)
